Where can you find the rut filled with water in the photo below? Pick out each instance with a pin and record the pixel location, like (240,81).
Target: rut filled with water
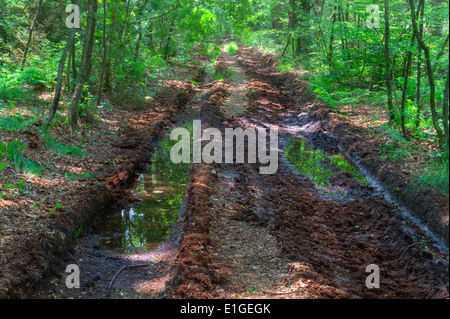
(161,190)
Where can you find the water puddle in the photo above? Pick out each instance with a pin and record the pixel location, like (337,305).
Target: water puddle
(318,165)
(161,190)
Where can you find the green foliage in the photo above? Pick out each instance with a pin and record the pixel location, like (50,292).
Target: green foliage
(231,48)
(323,87)
(56,208)
(61,148)
(79,231)
(436,178)
(397,149)
(15,123)
(11,90)
(13,148)
(225,75)
(400,154)
(14,152)
(36,77)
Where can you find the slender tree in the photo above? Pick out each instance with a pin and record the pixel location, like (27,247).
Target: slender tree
(102,73)
(405,87)
(59,81)
(429,70)
(419,65)
(445,107)
(30,34)
(86,58)
(387,58)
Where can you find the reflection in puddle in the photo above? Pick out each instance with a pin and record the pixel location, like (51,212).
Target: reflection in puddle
(318,165)
(161,189)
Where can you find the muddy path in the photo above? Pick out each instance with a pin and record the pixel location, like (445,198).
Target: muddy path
(285,235)
(126,253)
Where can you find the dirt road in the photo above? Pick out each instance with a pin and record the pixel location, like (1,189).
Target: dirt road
(247,235)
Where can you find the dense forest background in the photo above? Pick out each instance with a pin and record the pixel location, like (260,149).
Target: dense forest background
(388,55)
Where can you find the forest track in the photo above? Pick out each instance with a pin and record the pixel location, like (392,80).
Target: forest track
(247,235)
(278,236)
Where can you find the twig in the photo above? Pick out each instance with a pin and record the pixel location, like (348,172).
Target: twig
(280,293)
(211,83)
(120,270)
(7,261)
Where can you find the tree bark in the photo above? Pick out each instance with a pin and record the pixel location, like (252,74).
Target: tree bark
(58,89)
(388,61)
(69,64)
(169,38)
(429,70)
(330,50)
(100,88)
(419,65)
(74,65)
(85,65)
(445,108)
(30,35)
(405,87)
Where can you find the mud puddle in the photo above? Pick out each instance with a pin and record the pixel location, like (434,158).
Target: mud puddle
(322,168)
(131,251)
(161,190)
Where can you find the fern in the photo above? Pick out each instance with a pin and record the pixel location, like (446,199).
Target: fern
(15,123)
(14,152)
(62,148)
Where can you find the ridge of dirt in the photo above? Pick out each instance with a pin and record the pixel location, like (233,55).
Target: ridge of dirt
(220,256)
(196,274)
(34,256)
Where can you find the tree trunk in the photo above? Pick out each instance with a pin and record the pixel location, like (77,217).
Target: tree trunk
(83,73)
(330,51)
(69,64)
(445,117)
(169,38)
(293,22)
(74,65)
(388,61)
(30,35)
(419,64)
(58,89)
(100,88)
(287,45)
(405,87)
(302,40)
(138,45)
(429,70)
